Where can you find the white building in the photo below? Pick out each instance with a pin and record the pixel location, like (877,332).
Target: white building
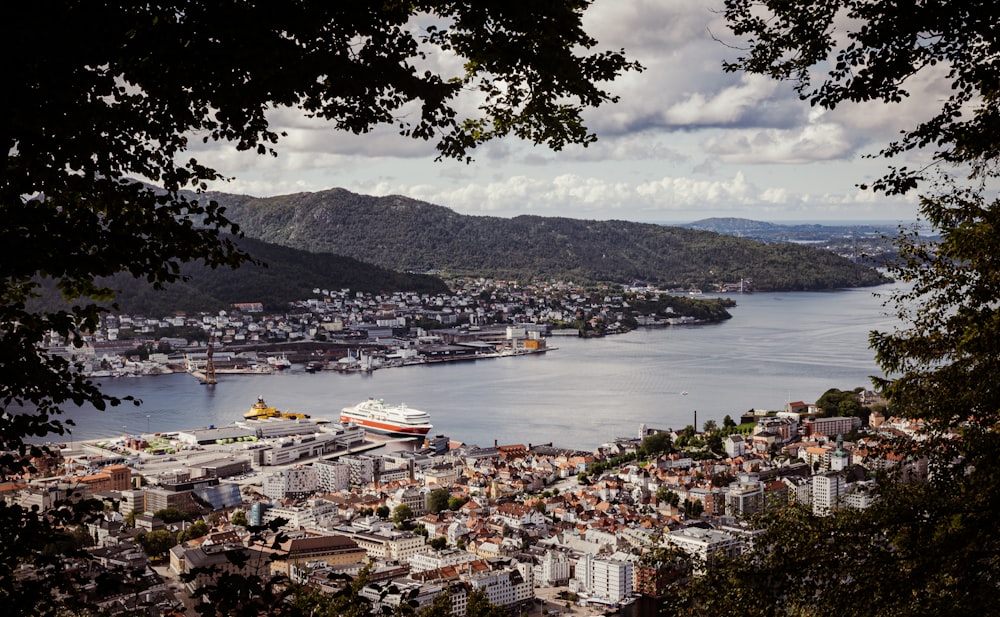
(745,498)
(332,476)
(735,446)
(387,544)
(706,545)
(409,496)
(396,593)
(316,514)
(295,482)
(435,560)
(553,570)
(611,580)
(508,585)
(829,490)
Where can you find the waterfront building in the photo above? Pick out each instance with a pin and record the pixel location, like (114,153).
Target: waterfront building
(224,468)
(364,468)
(783,428)
(831,426)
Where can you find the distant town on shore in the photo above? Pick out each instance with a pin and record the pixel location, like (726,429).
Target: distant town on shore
(355,331)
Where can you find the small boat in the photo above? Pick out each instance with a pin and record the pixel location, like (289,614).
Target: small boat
(279,362)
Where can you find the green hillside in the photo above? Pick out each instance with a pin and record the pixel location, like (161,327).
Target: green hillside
(289,275)
(405,234)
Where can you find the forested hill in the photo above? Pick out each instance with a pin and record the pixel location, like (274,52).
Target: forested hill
(405,234)
(290,275)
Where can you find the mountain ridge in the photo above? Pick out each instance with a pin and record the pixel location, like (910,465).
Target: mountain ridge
(402,233)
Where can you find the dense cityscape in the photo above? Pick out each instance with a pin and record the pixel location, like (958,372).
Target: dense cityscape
(176,175)
(531,526)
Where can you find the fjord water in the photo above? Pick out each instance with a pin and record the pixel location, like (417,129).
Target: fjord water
(777,347)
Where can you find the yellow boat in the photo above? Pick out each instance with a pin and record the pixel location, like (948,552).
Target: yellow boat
(260,411)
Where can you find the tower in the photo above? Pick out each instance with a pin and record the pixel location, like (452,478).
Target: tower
(838,458)
(209,366)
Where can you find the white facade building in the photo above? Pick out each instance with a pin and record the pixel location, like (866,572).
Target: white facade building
(705,544)
(506,586)
(611,580)
(295,482)
(332,476)
(553,570)
(435,560)
(829,491)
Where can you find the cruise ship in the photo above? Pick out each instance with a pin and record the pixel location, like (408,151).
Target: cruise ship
(375,415)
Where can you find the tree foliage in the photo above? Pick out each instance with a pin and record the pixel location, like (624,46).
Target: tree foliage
(849,51)
(156,543)
(239,518)
(845,403)
(104,104)
(106,94)
(407,234)
(401,514)
(657,443)
(437,499)
(924,548)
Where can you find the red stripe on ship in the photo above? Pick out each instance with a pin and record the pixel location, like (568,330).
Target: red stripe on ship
(389,428)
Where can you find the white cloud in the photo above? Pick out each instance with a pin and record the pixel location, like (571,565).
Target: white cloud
(725,107)
(813,142)
(686,140)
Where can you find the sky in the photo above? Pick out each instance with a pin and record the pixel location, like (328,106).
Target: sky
(685,142)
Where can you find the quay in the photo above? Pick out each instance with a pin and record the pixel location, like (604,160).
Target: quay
(169,451)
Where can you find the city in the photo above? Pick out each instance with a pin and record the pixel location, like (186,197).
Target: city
(517,522)
(343,330)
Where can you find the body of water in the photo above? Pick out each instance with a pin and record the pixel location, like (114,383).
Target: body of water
(778,347)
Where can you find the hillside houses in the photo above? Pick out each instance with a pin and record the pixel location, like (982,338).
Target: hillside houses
(480,316)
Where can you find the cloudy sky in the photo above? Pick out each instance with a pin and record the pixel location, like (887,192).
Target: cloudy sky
(685,142)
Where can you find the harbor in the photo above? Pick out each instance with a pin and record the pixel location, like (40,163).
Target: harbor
(778,347)
(206,368)
(204,448)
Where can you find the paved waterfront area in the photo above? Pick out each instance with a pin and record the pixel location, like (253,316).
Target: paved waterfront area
(190,457)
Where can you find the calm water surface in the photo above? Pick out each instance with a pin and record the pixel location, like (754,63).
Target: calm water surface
(778,347)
